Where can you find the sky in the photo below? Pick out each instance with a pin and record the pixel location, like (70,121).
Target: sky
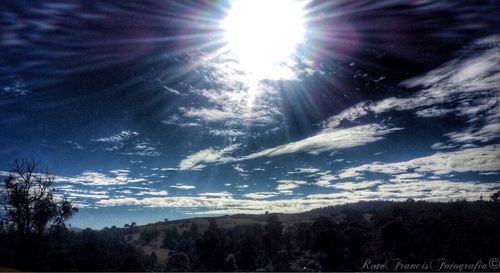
(174,109)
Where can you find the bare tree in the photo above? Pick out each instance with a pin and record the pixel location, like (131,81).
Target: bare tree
(29,206)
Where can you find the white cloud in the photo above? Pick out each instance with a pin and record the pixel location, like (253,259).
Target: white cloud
(304,170)
(118,177)
(152,193)
(226,132)
(326,140)
(261,195)
(225,203)
(482,159)
(129,143)
(325,179)
(199,160)
(284,185)
(466,87)
(351,186)
(223,194)
(183,186)
(120,137)
(210,115)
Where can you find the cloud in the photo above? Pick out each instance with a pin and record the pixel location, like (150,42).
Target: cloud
(482,159)
(236,99)
(330,139)
(285,185)
(223,194)
(225,203)
(199,160)
(129,143)
(118,138)
(351,186)
(226,132)
(260,195)
(486,133)
(304,170)
(17,88)
(183,186)
(74,145)
(152,193)
(466,87)
(118,177)
(325,179)
(69,191)
(210,115)
(326,140)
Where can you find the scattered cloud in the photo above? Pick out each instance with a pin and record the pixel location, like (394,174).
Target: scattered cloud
(16,88)
(304,170)
(466,87)
(482,159)
(118,138)
(74,145)
(210,115)
(129,143)
(285,185)
(183,186)
(152,193)
(260,195)
(225,203)
(223,194)
(117,177)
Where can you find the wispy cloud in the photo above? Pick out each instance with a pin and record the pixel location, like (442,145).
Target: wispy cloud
(199,160)
(260,195)
(327,140)
(116,177)
(118,138)
(183,186)
(466,87)
(481,159)
(128,143)
(286,185)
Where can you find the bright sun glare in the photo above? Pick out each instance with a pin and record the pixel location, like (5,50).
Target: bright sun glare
(263,33)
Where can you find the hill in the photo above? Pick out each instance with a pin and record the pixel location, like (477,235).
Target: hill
(415,231)
(364,236)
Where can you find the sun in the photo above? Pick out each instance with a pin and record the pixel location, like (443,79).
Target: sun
(263,34)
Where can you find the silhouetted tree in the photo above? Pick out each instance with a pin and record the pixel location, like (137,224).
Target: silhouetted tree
(171,239)
(28,201)
(272,238)
(149,234)
(496,197)
(178,262)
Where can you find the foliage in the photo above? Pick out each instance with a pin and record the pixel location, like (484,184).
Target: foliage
(328,239)
(28,201)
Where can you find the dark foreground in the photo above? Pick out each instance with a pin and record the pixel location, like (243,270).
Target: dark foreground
(366,236)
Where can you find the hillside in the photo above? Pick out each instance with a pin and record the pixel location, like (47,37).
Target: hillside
(379,229)
(349,237)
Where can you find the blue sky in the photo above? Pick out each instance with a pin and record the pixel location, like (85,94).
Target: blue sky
(142,113)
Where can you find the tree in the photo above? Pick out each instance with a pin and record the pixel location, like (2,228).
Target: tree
(496,197)
(178,262)
(28,201)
